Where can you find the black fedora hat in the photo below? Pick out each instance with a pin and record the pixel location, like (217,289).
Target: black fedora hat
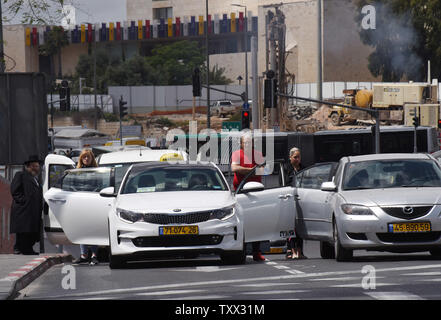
(33,158)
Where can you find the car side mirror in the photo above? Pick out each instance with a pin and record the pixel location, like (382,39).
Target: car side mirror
(252,186)
(108,192)
(328,186)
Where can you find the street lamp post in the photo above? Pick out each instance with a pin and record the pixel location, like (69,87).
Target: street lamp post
(245,48)
(95,121)
(208,66)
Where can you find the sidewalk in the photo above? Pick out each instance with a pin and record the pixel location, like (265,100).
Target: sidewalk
(17,271)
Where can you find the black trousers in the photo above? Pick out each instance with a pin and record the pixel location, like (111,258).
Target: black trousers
(294,243)
(25,241)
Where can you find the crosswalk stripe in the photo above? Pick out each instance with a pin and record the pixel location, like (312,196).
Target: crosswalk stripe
(393,295)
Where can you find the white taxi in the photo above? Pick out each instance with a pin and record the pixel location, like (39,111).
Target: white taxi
(172,209)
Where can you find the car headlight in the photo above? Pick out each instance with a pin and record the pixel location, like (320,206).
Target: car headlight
(130,216)
(222,214)
(356,209)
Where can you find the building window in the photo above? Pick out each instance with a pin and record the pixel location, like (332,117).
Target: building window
(162,13)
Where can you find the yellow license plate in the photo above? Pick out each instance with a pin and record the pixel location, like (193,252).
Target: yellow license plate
(410,227)
(178,230)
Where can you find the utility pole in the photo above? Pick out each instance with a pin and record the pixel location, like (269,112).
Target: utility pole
(2,53)
(255,83)
(319,52)
(208,66)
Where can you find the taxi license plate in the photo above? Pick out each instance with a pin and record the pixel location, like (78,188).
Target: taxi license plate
(410,227)
(178,230)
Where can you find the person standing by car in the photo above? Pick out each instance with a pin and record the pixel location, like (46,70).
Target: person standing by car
(27,205)
(294,243)
(243,161)
(87,160)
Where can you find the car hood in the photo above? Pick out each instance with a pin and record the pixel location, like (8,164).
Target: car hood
(393,196)
(169,202)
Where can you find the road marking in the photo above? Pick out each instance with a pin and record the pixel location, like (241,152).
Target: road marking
(393,295)
(272,292)
(434,280)
(168,292)
(358,285)
(423,274)
(274,284)
(207,269)
(281,267)
(337,279)
(212,297)
(236,281)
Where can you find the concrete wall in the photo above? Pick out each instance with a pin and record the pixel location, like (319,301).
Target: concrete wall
(19,57)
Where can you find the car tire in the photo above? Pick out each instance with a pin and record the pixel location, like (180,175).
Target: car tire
(335,119)
(436,252)
(326,250)
(233,257)
(340,253)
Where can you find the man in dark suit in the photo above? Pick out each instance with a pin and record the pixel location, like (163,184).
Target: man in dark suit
(27,206)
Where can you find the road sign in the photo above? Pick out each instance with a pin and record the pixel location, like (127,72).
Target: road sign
(246,106)
(232,125)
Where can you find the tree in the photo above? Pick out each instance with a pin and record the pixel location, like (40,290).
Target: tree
(178,60)
(407,34)
(56,40)
(34,11)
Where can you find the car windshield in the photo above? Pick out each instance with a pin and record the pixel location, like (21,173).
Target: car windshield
(381,174)
(225,103)
(172,178)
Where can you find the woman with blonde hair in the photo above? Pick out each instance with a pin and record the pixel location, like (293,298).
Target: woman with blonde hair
(87,160)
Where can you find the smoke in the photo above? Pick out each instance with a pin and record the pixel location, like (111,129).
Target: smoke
(396,44)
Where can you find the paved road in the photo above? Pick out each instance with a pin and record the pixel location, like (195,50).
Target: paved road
(370,276)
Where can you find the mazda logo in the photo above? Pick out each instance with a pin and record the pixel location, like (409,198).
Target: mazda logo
(407,210)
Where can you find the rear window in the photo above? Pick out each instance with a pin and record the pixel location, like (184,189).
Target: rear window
(86,180)
(225,103)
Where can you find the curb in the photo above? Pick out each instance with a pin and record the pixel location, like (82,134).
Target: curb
(19,279)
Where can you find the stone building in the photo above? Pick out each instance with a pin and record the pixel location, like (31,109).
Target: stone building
(344,55)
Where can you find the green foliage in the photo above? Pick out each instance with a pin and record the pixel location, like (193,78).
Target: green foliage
(171,64)
(407,34)
(34,11)
(56,39)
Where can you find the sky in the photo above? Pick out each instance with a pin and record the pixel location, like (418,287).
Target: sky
(96,11)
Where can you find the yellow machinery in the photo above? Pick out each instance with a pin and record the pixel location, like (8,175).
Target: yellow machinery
(354,97)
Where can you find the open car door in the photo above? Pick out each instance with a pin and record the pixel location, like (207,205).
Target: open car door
(268,207)
(54,168)
(78,207)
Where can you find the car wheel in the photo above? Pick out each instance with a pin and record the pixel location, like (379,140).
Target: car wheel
(326,250)
(340,253)
(233,257)
(436,252)
(335,119)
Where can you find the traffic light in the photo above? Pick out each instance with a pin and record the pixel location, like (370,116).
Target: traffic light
(416,121)
(122,109)
(245,119)
(64,96)
(196,81)
(439,124)
(270,93)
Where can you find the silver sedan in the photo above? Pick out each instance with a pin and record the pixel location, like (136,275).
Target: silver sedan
(382,202)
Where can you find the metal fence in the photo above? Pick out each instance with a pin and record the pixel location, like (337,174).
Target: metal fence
(84,102)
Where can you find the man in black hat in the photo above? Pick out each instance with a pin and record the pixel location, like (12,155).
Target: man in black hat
(27,206)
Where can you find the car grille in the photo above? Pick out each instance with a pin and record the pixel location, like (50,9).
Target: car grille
(399,213)
(178,241)
(409,237)
(186,218)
